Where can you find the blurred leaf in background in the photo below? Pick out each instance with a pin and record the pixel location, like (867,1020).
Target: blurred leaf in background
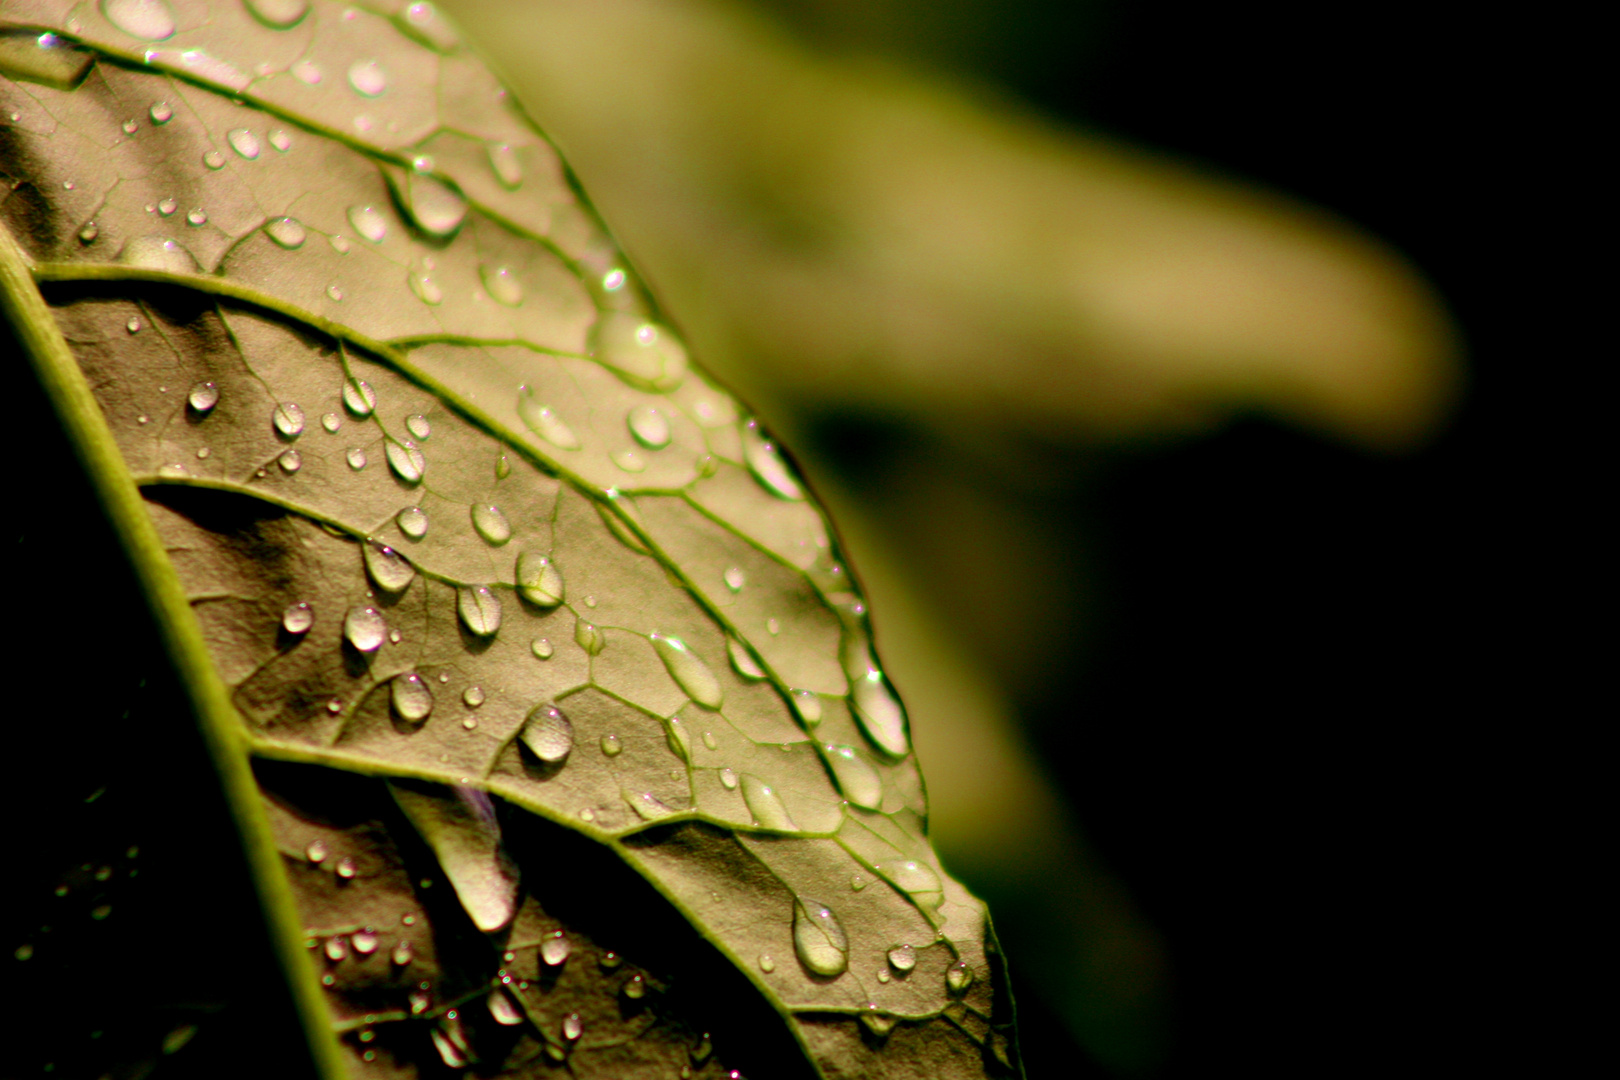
(865,233)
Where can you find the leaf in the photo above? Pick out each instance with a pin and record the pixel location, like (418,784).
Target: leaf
(565,713)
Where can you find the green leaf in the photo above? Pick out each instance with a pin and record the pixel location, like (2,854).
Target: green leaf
(570,739)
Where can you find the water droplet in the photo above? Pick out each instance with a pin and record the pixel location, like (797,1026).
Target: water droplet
(490,523)
(548,733)
(306,72)
(542,649)
(766,806)
(572,1027)
(288,419)
(902,958)
(149,20)
(735,579)
(819,939)
(369,222)
(411,698)
(688,670)
(88,232)
(708,740)
(368,78)
(911,876)
(808,706)
(642,354)
(412,521)
(160,112)
(197,216)
(364,942)
(426,289)
(358,397)
(554,948)
(437,207)
(337,949)
(857,883)
(503,468)
(502,285)
(648,807)
(479,608)
(298,618)
(629,461)
(772,627)
(168,206)
(131,127)
(502,1008)
(402,954)
(286,232)
(958,977)
(856,776)
(334,705)
(364,628)
(472,697)
(418,426)
(449,1053)
(742,661)
(290,461)
(420,1001)
(635,988)
(278,14)
(388,569)
(589,636)
(213,159)
(613,280)
(281,140)
(156,253)
(133,325)
(882,717)
(728,779)
(406,460)
(545,423)
(878,1023)
(767,464)
(335,293)
(315,851)
(766,964)
(244,142)
(356,458)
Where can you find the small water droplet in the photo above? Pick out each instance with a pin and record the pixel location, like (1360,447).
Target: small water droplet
(649,426)
(287,232)
(368,78)
(197,216)
(420,1001)
(88,232)
(244,142)
(149,20)
(611,745)
(766,964)
(334,292)
(819,939)
(572,1027)
(168,206)
(878,1023)
(424,163)
(766,806)
(728,779)
(911,876)
(364,628)
(635,988)
(613,280)
(156,253)
(902,958)
(356,458)
(411,698)
(133,325)
(358,397)
(772,627)
(23,952)
(502,285)
(418,426)
(856,776)
(880,713)
(742,661)
(337,949)
(503,467)
(857,883)
(554,948)
(503,162)
(449,1052)
(213,159)
(735,579)
(131,127)
(490,522)
(369,222)
(469,723)
(479,608)
(629,461)
(288,419)
(290,461)
(436,206)
(542,648)
(298,618)
(767,463)
(503,1009)
(281,140)
(958,977)
(708,740)
(306,72)
(548,733)
(644,355)
(334,705)
(412,521)
(315,851)
(278,14)
(406,460)
(808,706)
(543,422)
(346,868)
(426,289)
(589,636)
(402,954)
(161,112)
(472,697)
(388,569)
(364,942)
(144,419)
(688,670)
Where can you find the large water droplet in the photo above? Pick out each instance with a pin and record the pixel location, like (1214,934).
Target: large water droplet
(649,426)
(490,523)
(958,977)
(368,78)
(369,222)
(411,698)
(358,397)
(288,419)
(286,232)
(203,397)
(766,805)
(356,458)
(161,112)
(819,939)
(364,628)
(642,353)
(412,521)
(406,460)
(688,670)
(480,609)
(244,142)
(742,661)
(767,464)
(502,284)
(882,717)
(538,580)
(290,461)
(911,876)
(548,733)
(298,618)
(390,570)
(502,1008)
(856,776)
(149,20)
(679,740)
(364,941)
(589,636)
(278,14)
(504,163)
(554,948)
(156,253)
(902,958)
(437,207)
(539,419)
(808,706)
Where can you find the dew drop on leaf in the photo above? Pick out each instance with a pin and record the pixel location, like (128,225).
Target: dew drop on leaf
(364,628)
(503,162)
(490,522)
(356,458)
(502,285)
(766,964)
(133,325)
(437,208)
(856,776)
(742,661)
(156,253)
(288,419)
(554,948)
(411,698)
(449,1053)
(502,1008)
(168,206)
(358,397)
(286,232)
(197,216)
(708,740)
(958,977)
(728,779)
(149,20)
(766,805)
(412,521)
(88,233)
(480,609)
(369,223)
(368,78)
(543,422)
(911,876)
(364,942)
(244,142)
(278,14)
(402,954)
(629,461)
(418,426)
(808,706)
(290,461)
(131,127)
(315,851)
(648,807)
(880,713)
(161,112)
(613,280)
(688,670)
(280,140)
(611,746)
(538,580)
(639,352)
(472,697)
(767,464)
(387,568)
(649,427)
(735,579)
(213,159)
(334,293)
(635,988)
(426,289)
(878,1023)
(902,958)
(819,939)
(542,649)
(548,734)
(336,948)
(572,1027)
(298,618)
(306,72)
(406,460)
